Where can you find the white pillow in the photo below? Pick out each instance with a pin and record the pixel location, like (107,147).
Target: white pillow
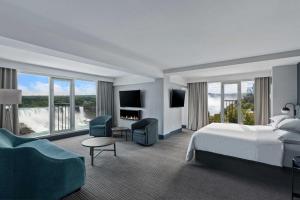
(290,125)
(275,120)
(288,137)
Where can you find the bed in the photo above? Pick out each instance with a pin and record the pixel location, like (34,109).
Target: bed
(255,143)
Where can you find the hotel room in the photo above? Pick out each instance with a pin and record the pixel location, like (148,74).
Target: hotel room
(149,100)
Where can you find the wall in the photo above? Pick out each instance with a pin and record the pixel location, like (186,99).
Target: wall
(172,116)
(152,99)
(284,87)
(156,103)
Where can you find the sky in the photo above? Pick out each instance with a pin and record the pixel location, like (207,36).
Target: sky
(215,88)
(37,85)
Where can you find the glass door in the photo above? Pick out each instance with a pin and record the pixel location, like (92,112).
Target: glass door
(61,105)
(230,102)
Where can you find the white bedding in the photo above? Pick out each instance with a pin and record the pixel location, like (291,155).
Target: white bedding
(257,143)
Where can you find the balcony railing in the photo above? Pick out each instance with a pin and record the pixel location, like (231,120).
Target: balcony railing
(231,110)
(62,115)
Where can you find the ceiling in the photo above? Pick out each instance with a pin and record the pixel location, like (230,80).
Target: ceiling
(146,37)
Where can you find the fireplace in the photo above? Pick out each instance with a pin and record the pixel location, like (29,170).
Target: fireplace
(134,115)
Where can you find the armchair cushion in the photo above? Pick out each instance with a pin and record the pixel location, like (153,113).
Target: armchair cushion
(139,131)
(97,126)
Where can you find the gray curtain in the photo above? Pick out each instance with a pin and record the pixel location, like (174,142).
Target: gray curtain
(262,100)
(105,95)
(197,107)
(8,80)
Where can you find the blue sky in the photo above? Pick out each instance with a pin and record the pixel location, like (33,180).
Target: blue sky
(38,85)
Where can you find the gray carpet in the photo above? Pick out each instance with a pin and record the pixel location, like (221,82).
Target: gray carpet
(160,172)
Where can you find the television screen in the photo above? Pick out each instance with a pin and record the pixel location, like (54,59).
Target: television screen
(130,98)
(177,98)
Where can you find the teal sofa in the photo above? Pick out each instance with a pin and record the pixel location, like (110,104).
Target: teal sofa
(101,126)
(37,169)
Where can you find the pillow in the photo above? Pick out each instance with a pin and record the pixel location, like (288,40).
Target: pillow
(275,120)
(290,125)
(288,137)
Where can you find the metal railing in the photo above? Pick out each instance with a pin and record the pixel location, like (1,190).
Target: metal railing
(62,115)
(231,106)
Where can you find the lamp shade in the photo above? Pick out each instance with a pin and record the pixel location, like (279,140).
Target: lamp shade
(10,96)
(285,110)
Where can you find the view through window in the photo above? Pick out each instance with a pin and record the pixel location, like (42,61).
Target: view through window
(231,102)
(34,110)
(247,102)
(85,103)
(214,102)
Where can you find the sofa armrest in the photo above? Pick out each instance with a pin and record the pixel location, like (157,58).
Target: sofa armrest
(43,175)
(22,140)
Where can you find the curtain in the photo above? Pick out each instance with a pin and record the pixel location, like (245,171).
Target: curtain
(105,95)
(8,80)
(262,100)
(197,105)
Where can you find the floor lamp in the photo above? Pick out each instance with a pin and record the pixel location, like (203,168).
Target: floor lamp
(9,97)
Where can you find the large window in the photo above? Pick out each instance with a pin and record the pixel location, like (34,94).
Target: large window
(247,102)
(231,102)
(34,110)
(214,102)
(85,103)
(53,105)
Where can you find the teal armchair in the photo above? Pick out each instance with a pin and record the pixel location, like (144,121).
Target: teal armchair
(145,131)
(37,169)
(101,126)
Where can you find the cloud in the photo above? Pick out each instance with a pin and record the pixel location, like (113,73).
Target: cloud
(35,89)
(42,89)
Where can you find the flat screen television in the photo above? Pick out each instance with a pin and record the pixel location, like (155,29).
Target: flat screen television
(130,98)
(177,98)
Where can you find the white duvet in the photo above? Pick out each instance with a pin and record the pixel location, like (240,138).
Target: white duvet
(257,143)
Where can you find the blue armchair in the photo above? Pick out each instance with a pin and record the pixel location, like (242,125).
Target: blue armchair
(37,169)
(101,126)
(145,131)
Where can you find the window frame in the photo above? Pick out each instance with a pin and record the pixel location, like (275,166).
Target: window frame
(239,95)
(51,119)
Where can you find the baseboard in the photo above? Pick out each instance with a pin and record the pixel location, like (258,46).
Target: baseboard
(162,137)
(59,136)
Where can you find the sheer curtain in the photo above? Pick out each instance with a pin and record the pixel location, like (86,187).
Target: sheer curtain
(105,98)
(198,106)
(262,100)
(8,80)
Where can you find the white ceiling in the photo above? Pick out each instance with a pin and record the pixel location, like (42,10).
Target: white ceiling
(145,37)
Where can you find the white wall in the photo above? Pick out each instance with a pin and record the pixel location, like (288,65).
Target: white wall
(284,87)
(152,100)
(156,100)
(172,116)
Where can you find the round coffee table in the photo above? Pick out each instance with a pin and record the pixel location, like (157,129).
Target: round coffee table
(121,130)
(97,142)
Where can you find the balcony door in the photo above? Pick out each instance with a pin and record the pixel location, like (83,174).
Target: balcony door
(230,102)
(61,105)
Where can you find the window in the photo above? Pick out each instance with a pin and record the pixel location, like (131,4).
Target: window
(34,110)
(62,104)
(85,103)
(54,105)
(214,102)
(247,102)
(231,102)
